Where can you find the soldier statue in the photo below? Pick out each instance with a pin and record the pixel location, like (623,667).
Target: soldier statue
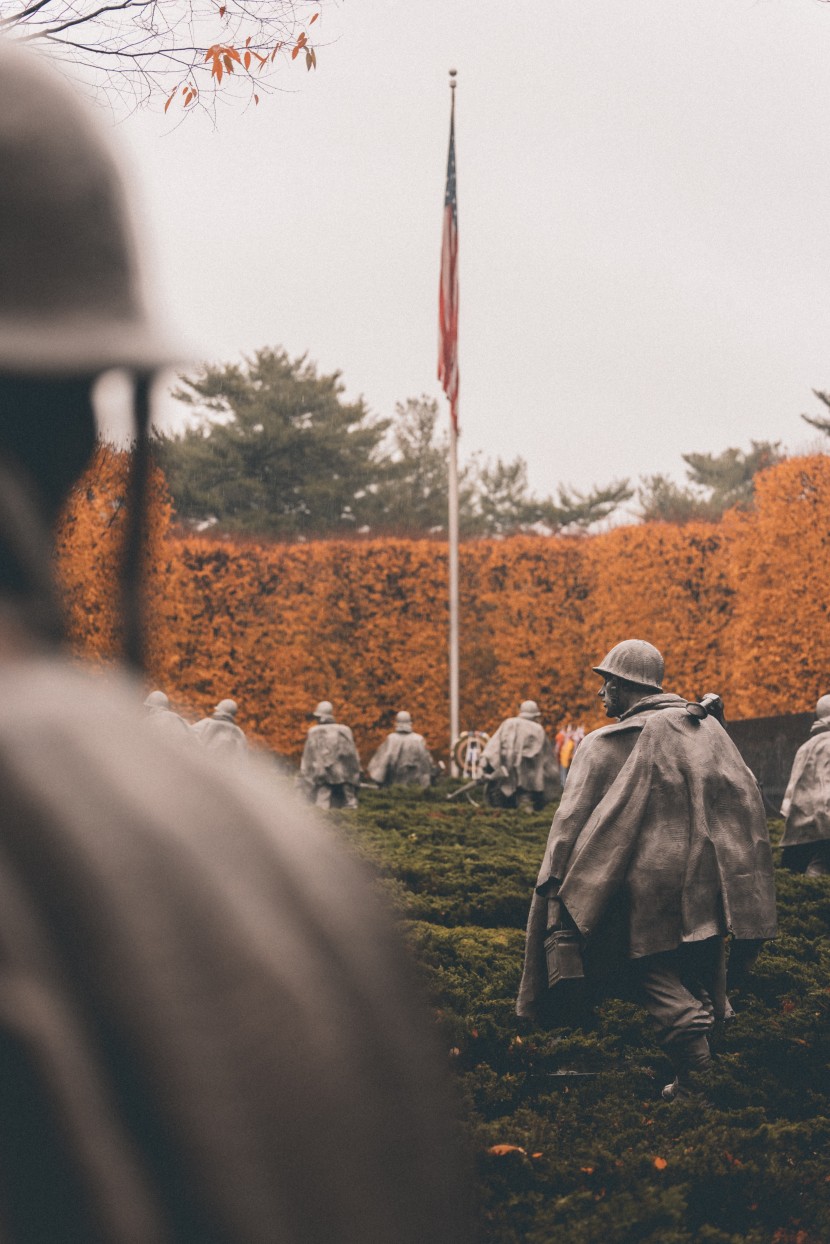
(162,718)
(220,733)
(520,761)
(657,852)
(330,767)
(209,1028)
(403,758)
(806,805)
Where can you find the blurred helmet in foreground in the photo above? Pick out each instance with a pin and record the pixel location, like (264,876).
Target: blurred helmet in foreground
(70,300)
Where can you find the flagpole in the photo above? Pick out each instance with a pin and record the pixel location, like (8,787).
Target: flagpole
(453,567)
(452,531)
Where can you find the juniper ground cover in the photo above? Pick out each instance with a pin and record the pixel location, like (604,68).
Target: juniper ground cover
(597,1156)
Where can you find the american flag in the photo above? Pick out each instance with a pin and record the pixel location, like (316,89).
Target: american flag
(448,292)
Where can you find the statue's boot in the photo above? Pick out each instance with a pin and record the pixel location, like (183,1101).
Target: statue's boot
(693,1066)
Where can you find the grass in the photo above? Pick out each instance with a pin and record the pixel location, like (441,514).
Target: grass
(597,1156)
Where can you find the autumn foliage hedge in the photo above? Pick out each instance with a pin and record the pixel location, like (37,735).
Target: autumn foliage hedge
(738,607)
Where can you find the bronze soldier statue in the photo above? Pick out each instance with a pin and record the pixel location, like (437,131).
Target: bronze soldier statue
(208,1029)
(806,805)
(657,853)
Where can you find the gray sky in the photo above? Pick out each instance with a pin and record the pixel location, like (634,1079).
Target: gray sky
(644,195)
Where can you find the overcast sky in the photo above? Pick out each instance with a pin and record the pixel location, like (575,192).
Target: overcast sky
(644,217)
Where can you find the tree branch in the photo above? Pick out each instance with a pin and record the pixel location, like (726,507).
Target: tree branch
(50,31)
(17,18)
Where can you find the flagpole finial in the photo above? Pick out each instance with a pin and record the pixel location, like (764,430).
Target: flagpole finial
(453,82)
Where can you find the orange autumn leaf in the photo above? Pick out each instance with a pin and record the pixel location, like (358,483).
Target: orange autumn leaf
(500,1150)
(660,1164)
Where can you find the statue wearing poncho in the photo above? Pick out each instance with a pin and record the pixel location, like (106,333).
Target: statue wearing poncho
(521,759)
(220,733)
(403,758)
(660,833)
(208,1029)
(330,767)
(806,805)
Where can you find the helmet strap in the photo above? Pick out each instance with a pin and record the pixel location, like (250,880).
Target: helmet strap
(132,568)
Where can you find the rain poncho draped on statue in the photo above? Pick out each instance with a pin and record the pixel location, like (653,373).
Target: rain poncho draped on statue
(402,759)
(330,757)
(661,813)
(521,756)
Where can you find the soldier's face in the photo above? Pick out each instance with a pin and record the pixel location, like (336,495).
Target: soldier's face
(609,693)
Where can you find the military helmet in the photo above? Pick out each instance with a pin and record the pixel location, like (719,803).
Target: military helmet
(228,707)
(70,301)
(529,708)
(823,707)
(324,709)
(157,699)
(403,722)
(636,661)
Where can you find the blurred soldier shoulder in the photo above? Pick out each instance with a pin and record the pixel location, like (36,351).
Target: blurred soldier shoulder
(208,1028)
(403,759)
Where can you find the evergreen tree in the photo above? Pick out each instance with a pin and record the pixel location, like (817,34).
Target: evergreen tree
(717,482)
(275,449)
(579,510)
(822,422)
(413,494)
(494,499)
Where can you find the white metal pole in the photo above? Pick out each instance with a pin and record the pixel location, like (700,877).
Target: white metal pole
(453,586)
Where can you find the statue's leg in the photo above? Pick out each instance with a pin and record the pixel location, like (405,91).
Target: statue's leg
(819,862)
(322,796)
(682,1021)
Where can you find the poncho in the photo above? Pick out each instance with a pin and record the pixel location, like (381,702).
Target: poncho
(402,758)
(807,799)
(166,722)
(661,814)
(330,757)
(220,733)
(521,756)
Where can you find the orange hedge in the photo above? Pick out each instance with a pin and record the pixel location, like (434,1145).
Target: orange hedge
(736,607)
(88,544)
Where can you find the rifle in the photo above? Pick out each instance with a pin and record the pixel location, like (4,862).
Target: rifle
(479,781)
